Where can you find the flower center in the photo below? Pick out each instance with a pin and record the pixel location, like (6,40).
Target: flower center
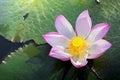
(76,46)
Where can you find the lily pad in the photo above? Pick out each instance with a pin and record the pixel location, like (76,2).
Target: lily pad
(107,66)
(30,19)
(21,66)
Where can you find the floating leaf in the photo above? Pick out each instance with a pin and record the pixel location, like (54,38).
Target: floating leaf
(30,19)
(22,66)
(107,66)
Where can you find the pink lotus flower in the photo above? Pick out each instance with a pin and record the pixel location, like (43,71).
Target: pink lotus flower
(80,44)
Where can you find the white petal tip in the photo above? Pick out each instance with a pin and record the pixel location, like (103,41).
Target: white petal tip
(62,59)
(86,11)
(107,25)
(59,16)
(59,55)
(78,64)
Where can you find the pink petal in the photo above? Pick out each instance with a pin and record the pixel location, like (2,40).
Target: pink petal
(55,39)
(98,31)
(98,48)
(58,53)
(64,27)
(80,62)
(83,24)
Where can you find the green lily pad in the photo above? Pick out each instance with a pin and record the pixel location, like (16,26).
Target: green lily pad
(107,66)
(30,19)
(21,66)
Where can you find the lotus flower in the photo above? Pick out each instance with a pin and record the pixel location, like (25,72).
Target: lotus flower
(80,44)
